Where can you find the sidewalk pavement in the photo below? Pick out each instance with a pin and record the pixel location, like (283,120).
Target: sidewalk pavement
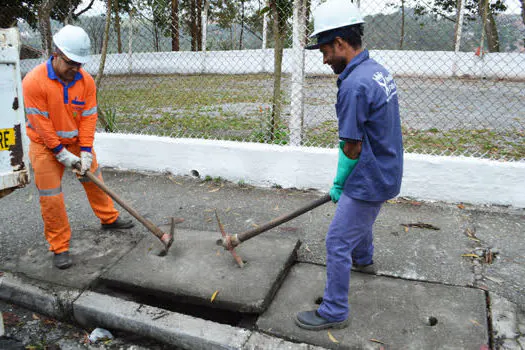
(449,275)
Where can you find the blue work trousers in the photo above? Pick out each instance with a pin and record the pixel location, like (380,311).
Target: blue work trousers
(349,238)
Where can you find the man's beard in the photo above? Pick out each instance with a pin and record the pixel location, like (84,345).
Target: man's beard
(339,66)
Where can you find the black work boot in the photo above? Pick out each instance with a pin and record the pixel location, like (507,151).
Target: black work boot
(120,223)
(62,260)
(368,268)
(312,321)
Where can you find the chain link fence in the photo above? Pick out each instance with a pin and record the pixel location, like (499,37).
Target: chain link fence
(237,69)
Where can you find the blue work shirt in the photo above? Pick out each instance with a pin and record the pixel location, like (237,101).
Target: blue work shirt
(368,111)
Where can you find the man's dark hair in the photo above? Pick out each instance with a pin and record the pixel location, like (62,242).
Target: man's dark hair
(353,35)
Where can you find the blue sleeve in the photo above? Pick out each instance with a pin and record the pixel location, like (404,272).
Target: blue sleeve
(352,110)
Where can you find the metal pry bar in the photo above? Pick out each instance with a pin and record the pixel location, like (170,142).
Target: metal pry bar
(229,242)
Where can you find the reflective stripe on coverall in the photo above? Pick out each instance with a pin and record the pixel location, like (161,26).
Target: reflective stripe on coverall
(61,114)
(48,176)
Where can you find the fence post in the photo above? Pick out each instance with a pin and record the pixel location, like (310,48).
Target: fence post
(297,92)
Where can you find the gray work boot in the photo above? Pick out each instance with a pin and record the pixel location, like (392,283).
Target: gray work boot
(368,268)
(62,260)
(312,321)
(120,223)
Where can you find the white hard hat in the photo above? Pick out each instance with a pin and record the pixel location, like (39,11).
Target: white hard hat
(74,42)
(335,14)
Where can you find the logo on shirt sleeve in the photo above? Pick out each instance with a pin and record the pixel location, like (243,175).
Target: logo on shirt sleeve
(387,83)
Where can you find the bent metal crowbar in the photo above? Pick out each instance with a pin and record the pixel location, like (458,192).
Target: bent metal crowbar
(229,242)
(165,238)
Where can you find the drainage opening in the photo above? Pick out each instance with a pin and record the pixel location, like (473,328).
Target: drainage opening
(184,306)
(319,300)
(432,321)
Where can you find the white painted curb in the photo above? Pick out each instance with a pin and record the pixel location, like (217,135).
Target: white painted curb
(426,177)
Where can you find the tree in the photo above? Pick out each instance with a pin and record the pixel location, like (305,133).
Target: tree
(13,10)
(100,72)
(281,11)
(241,22)
(475,9)
(224,14)
(116,21)
(402,37)
(175,44)
(38,14)
(44,25)
(94,26)
(193,21)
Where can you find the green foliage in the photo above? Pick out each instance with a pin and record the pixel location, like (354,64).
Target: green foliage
(110,116)
(12,11)
(471,7)
(435,33)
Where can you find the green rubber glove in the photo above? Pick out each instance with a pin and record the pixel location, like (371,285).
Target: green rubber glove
(345,166)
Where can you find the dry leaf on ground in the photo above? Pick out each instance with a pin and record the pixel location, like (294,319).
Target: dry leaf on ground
(214,295)
(422,225)
(332,338)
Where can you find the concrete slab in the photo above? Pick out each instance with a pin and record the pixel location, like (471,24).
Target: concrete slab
(415,253)
(99,310)
(423,254)
(45,298)
(195,268)
(505,322)
(92,251)
(261,341)
(392,311)
(504,234)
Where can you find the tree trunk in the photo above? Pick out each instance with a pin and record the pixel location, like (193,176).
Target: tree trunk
(44,26)
(277,74)
(175,44)
(199,25)
(488,26)
(156,39)
(492,33)
(458,27)
(69,16)
(242,24)
(193,25)
(116,11)
(402,25)
(204,24)
(308,4)
(105,40)
(156,25)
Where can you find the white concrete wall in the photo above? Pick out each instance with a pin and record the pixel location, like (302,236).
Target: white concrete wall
(451,179)
(401,63)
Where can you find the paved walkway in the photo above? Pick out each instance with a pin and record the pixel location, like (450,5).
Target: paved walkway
(449,276)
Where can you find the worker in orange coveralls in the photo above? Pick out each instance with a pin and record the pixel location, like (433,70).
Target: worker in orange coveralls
(61,109)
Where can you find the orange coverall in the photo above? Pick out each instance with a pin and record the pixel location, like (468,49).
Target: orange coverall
(60,115)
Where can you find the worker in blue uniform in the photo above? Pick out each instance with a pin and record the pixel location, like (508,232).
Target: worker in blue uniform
(370,161)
